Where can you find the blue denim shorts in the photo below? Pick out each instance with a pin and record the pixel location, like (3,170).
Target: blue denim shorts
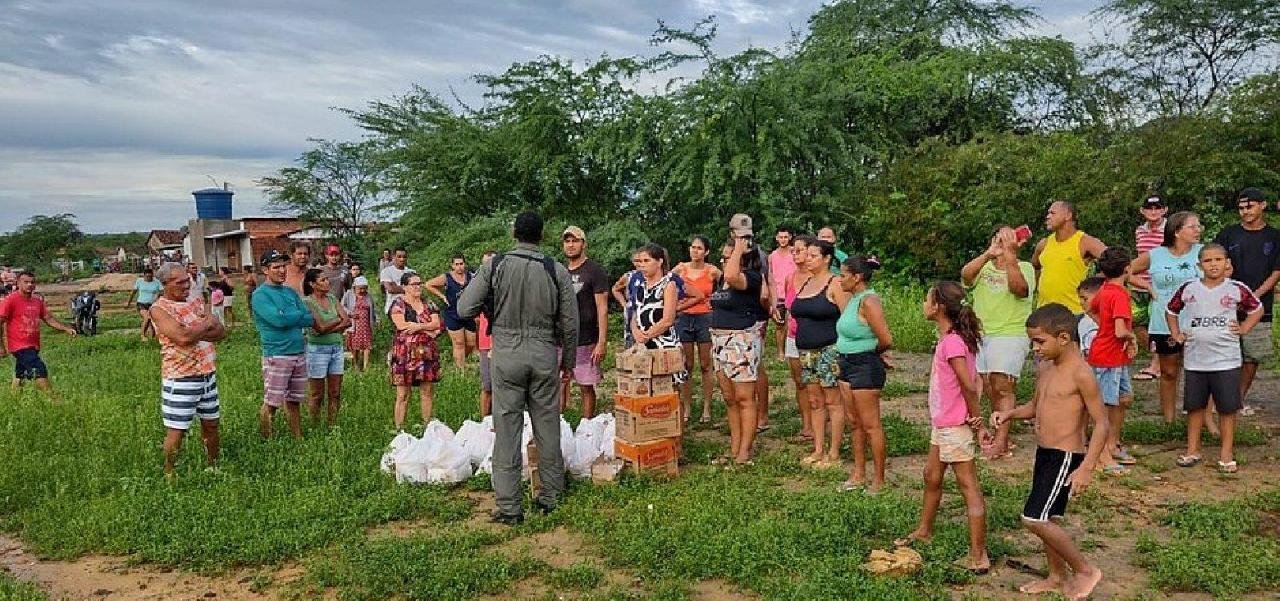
(324,360)
(1113,383)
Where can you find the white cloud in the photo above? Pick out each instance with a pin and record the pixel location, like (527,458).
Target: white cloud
(114,110)
(120,190)
(742,11)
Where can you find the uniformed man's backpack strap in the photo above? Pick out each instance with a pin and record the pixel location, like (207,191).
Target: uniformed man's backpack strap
(490,306)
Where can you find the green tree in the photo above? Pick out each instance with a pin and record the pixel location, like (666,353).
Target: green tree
(41,238)
(1182,55)
(337,185)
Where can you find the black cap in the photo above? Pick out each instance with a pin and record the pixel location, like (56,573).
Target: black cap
(1153,202)
(272,256)
(1250,195)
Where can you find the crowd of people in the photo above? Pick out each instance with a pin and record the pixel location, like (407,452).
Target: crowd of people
(539,326)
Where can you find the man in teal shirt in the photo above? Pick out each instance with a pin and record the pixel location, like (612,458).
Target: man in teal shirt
(280,316)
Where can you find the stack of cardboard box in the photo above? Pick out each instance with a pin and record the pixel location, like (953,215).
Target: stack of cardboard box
(647,409)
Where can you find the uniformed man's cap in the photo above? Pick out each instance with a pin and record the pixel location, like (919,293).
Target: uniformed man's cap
(574,231)
(740,225)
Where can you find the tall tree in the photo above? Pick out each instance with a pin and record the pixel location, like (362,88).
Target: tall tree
(337,185)
(1182,55)
(41,237)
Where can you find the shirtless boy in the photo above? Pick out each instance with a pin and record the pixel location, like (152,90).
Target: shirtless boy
(1066,398)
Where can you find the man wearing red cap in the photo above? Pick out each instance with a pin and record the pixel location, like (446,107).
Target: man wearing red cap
(339,277)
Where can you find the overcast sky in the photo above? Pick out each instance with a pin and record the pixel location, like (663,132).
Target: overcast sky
(114,110)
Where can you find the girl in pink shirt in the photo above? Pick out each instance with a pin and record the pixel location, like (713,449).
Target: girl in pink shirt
(956,418)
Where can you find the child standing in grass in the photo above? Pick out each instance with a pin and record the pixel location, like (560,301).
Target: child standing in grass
(956,417)
(1112,349)
(1066,397)
(1212,307)
(1086,326)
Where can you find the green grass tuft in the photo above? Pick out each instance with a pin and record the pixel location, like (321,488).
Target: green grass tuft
(1155,431)
(1227,549)
(449,565)
(12,589)
(581,576)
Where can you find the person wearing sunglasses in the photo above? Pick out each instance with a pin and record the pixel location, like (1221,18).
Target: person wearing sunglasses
(1254,249)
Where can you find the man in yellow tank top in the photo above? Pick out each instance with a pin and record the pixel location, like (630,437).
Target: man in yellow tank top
(1062,258)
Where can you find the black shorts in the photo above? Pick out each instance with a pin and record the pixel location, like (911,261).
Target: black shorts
(694,328)
(1050,489)
(144,306)
(1164,345)
(453,323)
(1223,386)
(28,365)
(863,371)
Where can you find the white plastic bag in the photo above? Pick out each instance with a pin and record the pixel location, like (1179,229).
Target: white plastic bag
(399,443)
(436,429)
(448,463)
(476,440)
(413,461)
(590,427)
(566,440)
(586,448)
(465,431)
(606,437)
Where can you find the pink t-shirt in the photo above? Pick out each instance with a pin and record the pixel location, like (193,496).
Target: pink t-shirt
(946,399)
(788,297)
(781,266)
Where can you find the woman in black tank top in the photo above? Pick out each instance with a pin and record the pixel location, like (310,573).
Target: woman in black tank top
(816,309)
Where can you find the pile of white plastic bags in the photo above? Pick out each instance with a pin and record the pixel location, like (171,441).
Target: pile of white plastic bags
(443,457)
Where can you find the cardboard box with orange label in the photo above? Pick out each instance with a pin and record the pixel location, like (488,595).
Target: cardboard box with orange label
(659,455)
(646,418)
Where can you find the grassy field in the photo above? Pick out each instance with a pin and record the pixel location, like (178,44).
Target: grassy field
(83,477)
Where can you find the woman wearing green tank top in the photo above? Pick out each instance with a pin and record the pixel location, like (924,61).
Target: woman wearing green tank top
(863,341)
(325,359)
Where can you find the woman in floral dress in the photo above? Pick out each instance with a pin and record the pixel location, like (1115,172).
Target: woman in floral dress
(415,360)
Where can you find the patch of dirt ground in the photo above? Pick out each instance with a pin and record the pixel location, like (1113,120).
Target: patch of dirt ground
(100,577)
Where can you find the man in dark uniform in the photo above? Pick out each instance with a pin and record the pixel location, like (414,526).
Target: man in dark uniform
(532,311)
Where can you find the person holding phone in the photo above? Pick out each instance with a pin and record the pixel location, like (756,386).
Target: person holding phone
(1002,288)
(736,338)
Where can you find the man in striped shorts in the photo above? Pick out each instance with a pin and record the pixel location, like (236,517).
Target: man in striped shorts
(280,317)
(189,386)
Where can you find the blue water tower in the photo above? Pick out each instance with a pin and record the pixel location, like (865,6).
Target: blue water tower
(213,203)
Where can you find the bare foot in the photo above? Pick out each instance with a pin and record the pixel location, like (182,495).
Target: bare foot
(875,487)
(1036,587)
(915,536)
(1081,584)
(996,454)
(978,565)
